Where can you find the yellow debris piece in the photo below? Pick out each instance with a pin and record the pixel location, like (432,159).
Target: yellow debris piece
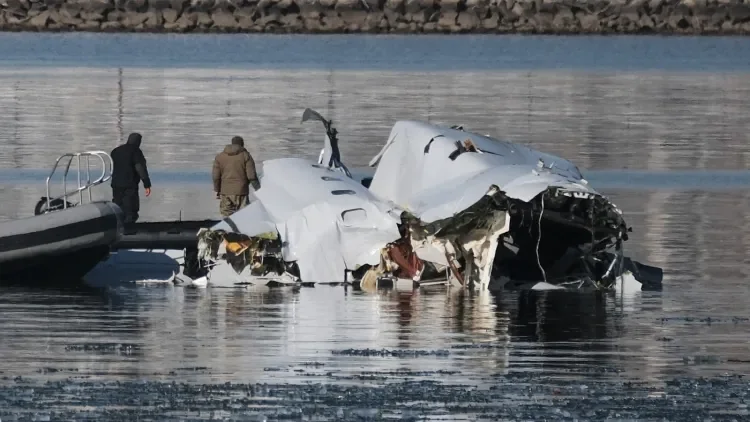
(237,247)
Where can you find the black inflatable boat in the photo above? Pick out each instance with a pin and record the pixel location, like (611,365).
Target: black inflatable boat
(63,240)
(58,245)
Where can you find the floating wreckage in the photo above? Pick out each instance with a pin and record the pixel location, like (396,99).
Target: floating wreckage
(442,205)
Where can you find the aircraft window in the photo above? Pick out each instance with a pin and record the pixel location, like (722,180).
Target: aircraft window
(354,215)
(343,192)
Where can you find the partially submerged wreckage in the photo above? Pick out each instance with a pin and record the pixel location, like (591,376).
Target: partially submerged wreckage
(442,205)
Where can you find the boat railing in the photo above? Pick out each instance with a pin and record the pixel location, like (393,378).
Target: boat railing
(83,159)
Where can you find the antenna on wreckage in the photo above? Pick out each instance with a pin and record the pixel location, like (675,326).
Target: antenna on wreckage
(330,155)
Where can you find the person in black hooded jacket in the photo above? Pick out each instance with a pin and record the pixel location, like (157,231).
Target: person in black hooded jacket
(129,169)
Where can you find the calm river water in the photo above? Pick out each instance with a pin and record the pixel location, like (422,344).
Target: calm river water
(659,124)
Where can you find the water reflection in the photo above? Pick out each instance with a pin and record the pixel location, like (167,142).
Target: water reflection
(293,335)
(643,120)
(575,318)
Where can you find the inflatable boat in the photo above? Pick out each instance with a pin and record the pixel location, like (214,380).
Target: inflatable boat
(63,240)
(67,243)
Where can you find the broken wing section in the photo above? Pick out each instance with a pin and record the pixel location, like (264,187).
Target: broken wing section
(323,223)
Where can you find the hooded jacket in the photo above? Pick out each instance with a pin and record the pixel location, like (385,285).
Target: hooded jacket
(129,164)
(234,171)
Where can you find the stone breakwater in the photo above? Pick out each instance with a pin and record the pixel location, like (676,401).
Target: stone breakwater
(380,16)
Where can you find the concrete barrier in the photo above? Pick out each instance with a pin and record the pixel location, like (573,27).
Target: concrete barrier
(380,16)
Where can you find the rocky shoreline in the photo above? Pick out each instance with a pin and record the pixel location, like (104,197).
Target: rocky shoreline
(380,16)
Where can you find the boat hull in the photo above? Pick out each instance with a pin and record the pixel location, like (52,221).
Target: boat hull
(61,245)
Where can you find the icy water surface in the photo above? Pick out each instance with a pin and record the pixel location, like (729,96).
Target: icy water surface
(658,124)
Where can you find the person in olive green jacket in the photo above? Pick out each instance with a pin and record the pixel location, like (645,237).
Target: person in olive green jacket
(233,172)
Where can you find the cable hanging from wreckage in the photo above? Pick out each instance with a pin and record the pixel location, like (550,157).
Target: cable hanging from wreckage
(575,238)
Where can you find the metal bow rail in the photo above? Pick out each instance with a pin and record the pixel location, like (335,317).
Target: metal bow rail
(86,156)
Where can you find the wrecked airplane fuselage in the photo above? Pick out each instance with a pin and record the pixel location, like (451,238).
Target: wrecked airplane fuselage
(442,204)
(320,223)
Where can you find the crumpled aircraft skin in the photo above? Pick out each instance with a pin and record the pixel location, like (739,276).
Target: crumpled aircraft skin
(442,204)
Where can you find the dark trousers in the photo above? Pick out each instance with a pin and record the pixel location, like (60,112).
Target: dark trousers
(127,199)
